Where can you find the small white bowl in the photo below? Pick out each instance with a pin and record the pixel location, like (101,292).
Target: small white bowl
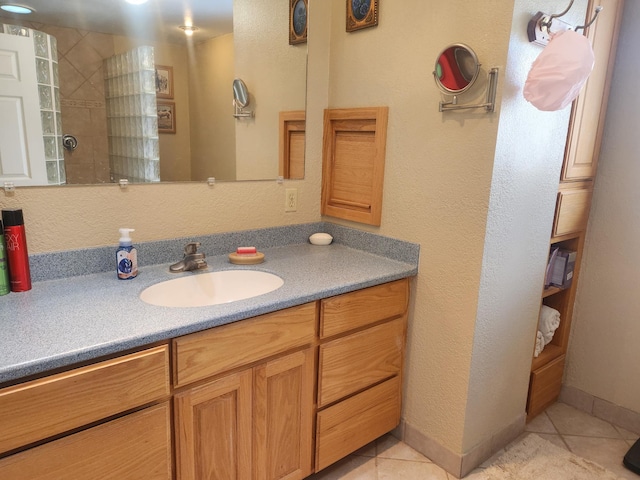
(321,239)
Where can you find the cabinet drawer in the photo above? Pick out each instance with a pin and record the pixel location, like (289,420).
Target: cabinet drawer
(353,363)
(39,409)
(572,211)
(545,386)
(346,426)
(204,354)
(356,309)
(135,447)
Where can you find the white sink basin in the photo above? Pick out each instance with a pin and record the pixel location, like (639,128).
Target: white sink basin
(202,289)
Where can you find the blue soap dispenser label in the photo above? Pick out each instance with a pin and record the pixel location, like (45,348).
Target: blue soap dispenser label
(127,263)
(126,256)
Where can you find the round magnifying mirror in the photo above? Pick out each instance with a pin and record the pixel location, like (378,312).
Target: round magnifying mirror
(456,69)
(240,93)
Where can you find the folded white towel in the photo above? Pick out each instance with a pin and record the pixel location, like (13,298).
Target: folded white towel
(539,344)
(548,322)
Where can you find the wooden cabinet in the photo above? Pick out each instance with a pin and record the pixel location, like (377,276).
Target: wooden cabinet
(213,429)
(353,156)
(61,407)
(42,408)
(360,368)
(588,110)
(217,350)
(574,199)
(135,447)
(250,400)
(283,417)
(246,403)
(572,209)
(349,312)
(546,382)
(352,423)
(355,362)
(256,422)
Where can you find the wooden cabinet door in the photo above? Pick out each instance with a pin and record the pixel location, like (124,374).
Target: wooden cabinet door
(213,430)
(283,417)
(588,111)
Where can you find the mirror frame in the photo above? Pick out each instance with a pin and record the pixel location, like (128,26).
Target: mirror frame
(240,93)
(439,83)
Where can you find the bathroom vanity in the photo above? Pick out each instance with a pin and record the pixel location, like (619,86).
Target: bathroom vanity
(273,395)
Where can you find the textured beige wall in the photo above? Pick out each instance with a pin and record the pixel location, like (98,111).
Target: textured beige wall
(477,194)
(274,73)
(437,179)
(603,351)
(213,145)
(529,154)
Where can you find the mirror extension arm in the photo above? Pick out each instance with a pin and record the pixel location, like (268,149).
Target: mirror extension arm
(489,104)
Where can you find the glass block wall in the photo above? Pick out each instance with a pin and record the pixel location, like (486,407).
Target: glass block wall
(46,58)
(132,120)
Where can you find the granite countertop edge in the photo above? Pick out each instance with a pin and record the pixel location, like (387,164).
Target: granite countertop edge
(68,321)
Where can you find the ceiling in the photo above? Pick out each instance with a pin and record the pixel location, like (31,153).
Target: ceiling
(156,19)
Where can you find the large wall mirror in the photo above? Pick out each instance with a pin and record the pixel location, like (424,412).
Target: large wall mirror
(143,100)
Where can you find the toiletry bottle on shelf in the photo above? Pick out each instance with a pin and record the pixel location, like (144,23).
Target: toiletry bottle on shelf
(126,256)
(5,285)
(17,254)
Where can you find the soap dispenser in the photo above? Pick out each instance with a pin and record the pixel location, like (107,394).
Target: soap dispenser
(126,256)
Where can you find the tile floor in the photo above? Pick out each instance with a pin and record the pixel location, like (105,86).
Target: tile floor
(589,437)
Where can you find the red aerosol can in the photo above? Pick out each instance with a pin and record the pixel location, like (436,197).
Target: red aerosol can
(17,254)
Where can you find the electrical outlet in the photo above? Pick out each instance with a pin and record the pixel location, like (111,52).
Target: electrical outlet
(291,200)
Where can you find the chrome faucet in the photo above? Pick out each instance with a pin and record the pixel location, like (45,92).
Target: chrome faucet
(192,260)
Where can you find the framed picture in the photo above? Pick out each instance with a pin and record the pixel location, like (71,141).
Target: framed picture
(166,117)
(298,21)
(164,81)
(361,14)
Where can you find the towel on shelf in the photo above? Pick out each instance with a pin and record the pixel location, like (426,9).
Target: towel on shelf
(548,322)
(539,344)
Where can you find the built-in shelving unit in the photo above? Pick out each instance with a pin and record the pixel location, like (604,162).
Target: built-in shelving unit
(574,200)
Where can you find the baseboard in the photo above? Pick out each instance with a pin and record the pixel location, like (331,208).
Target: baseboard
(458,464)
(432,449)
(600,408)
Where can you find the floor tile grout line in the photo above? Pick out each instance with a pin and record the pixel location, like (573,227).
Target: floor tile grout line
(599,437)
(558,432)
(618,428)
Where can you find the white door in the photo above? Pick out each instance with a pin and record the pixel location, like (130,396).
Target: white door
(21,144)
